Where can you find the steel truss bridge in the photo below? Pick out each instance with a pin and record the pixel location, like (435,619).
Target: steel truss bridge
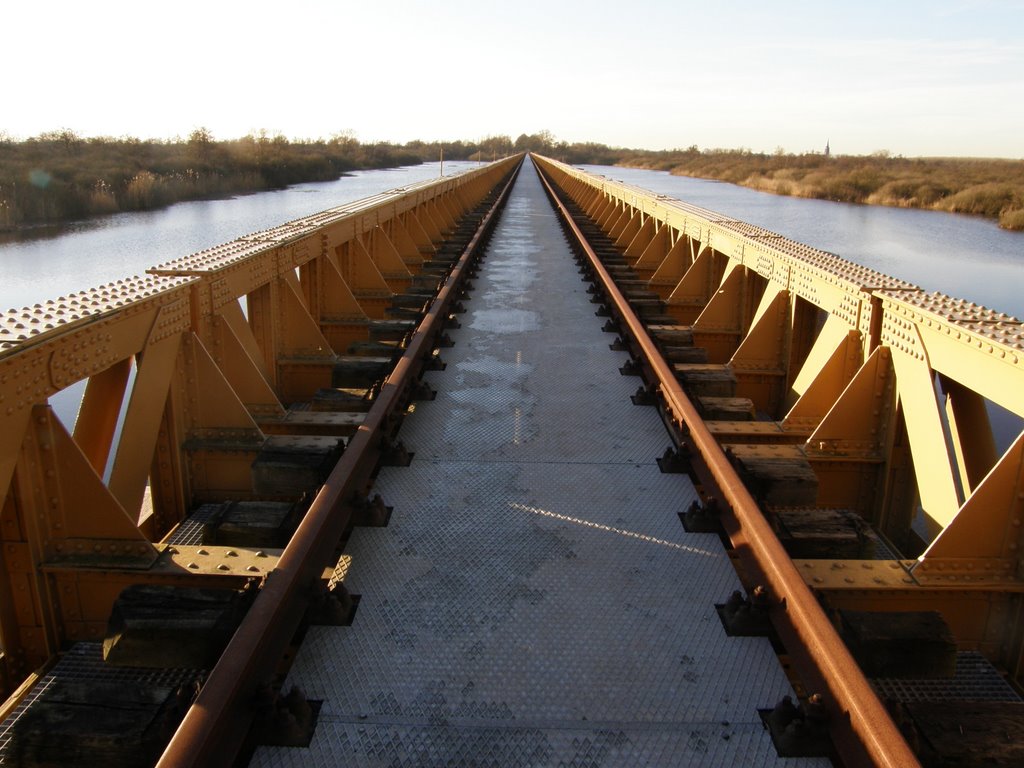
(831,423)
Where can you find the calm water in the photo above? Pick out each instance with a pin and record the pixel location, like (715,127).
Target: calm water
(963,256)
(967,257)
(91,253)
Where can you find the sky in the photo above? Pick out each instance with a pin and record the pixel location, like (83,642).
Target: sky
(935,78)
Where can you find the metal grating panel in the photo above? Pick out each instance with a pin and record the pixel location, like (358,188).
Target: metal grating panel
(190,531)
(976,680)
(534,599)
(84,661)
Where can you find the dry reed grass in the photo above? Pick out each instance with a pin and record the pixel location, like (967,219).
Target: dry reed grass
(992,188)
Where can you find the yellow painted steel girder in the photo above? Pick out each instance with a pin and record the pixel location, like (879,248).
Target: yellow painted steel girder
(207,371)
(891,386)
(47,348)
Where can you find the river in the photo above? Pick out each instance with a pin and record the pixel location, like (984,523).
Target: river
(966,257)
(86,254)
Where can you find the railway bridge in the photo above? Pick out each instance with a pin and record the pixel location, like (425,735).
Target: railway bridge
(518,467)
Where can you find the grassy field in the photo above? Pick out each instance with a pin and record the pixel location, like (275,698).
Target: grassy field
(986,187)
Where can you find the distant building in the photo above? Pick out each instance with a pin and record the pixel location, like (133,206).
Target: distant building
(828,151)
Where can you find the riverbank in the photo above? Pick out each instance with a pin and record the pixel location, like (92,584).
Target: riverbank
(986,187)
(60,177)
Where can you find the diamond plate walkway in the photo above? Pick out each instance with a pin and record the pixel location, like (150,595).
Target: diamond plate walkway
(535,600)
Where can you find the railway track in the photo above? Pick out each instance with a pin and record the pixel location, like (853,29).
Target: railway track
(862,730)
(128,705)
(912,696)
(545,592)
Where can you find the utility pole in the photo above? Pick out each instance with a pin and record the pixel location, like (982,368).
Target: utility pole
(442,161)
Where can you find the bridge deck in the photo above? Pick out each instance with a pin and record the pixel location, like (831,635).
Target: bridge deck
(534,599)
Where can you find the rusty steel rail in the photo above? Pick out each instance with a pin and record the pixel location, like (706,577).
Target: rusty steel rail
(215,726)
(863,732)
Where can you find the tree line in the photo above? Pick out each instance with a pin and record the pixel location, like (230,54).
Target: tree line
(982,186)
(60,176)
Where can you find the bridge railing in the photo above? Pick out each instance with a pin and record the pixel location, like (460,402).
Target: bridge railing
(188,371)
(884,389)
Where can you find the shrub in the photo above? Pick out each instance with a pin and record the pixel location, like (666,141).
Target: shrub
(989,199)
(928,194)
(989,187)
(896,192)
(1012,219)
(142,192)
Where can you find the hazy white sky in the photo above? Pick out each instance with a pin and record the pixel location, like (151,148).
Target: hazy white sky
(943,77)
